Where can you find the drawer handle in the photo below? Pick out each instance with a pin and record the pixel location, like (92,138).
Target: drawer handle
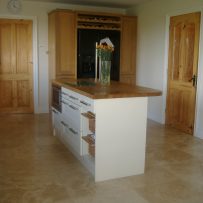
(73,131)
(54,111)
(65,94)
(85,103)
(73,97)
(64,124)
(74,108)
(65,103)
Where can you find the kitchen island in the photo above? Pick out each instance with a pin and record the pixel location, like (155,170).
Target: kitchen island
(104,126)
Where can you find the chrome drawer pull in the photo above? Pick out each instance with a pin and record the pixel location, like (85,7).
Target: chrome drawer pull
(72,107)
(85,103)
(64,124)
(73,97)
(54,111)
(65,94)
(65,103)
(73,131)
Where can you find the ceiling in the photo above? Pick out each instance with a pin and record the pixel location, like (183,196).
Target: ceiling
(106,3)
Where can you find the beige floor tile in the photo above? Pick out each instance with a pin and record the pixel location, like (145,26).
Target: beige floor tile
(35,167)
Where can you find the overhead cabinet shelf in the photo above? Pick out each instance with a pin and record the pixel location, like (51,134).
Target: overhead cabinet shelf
(87,21)
(64,45)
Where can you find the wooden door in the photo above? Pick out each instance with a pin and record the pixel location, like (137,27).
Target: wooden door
(16,66)
(182,71)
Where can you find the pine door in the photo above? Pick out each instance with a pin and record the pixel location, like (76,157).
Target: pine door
(16,66)
(182,71)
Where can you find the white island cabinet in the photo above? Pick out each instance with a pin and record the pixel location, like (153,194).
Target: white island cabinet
(120,133)
(120,137)
(107,134)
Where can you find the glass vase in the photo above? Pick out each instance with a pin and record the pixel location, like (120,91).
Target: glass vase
(105,72)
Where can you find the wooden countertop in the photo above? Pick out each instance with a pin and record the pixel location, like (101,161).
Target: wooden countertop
(95,90)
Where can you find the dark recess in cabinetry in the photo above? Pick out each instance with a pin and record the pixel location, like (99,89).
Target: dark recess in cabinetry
(87,39)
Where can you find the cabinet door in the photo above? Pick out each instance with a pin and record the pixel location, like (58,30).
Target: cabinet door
(66,44)
(129,79)
(128,46)
(62,44)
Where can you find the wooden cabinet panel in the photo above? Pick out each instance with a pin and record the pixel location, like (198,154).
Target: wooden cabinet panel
(62,44)
(66,43)
(128,45)
(52,46)
(129,79)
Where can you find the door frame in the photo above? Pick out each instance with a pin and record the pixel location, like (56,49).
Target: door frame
(196,133)
(35,56)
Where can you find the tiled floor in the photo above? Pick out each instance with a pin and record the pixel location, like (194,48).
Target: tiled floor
(36,168)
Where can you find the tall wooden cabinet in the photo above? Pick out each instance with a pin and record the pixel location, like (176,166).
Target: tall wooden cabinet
(62,44)
(128,49)
(63,25)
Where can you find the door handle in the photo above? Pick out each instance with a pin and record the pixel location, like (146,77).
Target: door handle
(193,80)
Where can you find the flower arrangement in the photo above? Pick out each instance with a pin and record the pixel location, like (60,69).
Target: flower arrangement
(104,52)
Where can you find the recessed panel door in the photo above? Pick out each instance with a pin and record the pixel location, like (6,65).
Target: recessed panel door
(182,71)
(16,66)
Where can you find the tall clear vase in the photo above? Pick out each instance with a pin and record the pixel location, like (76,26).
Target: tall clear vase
(105,72)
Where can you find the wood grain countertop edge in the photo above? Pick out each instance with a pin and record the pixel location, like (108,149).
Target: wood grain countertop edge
(114,90)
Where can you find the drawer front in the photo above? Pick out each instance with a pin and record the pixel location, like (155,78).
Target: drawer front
(56,121)
(71,136)
(71,96)
(86,103)
(71,113)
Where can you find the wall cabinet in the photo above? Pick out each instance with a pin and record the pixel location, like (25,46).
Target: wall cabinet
(62,44)
(63,25)
(128,49)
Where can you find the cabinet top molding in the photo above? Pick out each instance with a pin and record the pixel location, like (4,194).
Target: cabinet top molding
(95,20)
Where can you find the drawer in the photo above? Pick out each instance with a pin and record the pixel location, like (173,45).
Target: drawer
(71,96)
(71,137)
(86,103)
(71,113)
(56,119)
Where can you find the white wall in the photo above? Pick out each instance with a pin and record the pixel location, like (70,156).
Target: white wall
(153,24)
(39,13)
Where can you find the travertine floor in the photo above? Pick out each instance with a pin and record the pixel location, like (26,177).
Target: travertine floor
(36,168)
